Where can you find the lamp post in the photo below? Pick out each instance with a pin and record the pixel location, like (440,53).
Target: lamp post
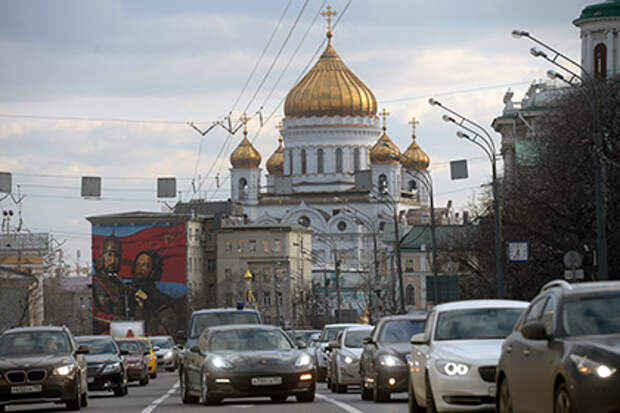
(485,142)
(316,258)
(324,238)
(593,101)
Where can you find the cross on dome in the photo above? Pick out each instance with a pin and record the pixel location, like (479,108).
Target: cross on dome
(413,122)
(329,13)
(245,119)
(384,114)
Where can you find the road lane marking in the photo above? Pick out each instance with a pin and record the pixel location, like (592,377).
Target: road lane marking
(162,399)
(343,406)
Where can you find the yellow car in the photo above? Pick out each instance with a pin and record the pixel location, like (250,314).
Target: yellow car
(149,355)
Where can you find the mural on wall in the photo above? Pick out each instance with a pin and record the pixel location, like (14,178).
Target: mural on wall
(139,274)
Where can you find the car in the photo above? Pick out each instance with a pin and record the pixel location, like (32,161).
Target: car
(167,355)
(564,353)
(383,363)
(246,361)
(345,358)
(149,355)
(107,369)
(303,335)
(453,362)
(137,365)
(328,334)
(41,365)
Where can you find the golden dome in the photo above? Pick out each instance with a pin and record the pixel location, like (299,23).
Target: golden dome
(330,88)
(385,151)
(245,155)
(414,157)
(275,163)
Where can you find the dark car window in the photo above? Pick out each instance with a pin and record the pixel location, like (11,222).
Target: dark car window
(548,314)
(354,338)
(144,345)
(400,331)
(99,346)
(161,342)
(428,325)
(330,334)
(476,324)
(202,321)
(32,343)
(591,315)
(129,346)
(249,340)
(535,310)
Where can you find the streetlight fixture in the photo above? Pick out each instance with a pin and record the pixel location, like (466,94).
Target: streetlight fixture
(486,143)
(593,101)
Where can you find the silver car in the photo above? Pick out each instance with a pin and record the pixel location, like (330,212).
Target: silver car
(167,354)
(329,333)
(345,358)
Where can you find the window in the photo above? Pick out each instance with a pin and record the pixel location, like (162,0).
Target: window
(252,245)
(548,314)
(227,274)
(243,188)
(210,265)
(342,225)
(383,183)
(267,299)
(319,161)
(356,159)
(339,160)
(240,246)
(229,246)
(304,221)
(280,298)
(535,310)
(303,161)
(409,264)
(412,185)
(600,61)
(290,162)
(410,295)
(277,245)
(265,245)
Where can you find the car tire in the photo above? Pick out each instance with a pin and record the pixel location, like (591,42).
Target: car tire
(365,391)
(413,405)
(206,398)
(119,391)
(153,375)
(186,398)
(306,397)
(430,400)
(2,409)
(279,398)
(504,400)
(380,396)
(562,402)
(145,380)
(75,403)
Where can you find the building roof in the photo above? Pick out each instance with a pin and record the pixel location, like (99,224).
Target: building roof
(138,216)
(264,227)
(608,8)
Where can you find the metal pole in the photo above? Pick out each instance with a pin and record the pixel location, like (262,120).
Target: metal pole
(434,246)
(499,262)
(377,276)
(275,288)
(398,263)
(601,219)
(338,296)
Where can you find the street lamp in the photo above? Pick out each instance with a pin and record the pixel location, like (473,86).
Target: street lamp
(485,142)
(325,238)
(593,101)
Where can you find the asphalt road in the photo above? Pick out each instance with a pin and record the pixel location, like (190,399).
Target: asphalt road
(162,396)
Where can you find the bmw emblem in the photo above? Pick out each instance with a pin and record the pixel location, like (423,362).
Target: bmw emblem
(263,361)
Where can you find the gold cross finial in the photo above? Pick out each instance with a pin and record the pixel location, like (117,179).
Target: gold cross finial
(329,13)
(414,122)
(245,119)
(384,114)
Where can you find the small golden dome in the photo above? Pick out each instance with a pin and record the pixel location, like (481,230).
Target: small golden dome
(275,163)
(330,88)
(245,155)
(385,151)
(414,157)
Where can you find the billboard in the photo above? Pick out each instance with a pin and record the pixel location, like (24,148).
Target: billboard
(140,274)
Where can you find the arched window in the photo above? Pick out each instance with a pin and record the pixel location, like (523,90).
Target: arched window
(304,220)
(303,161)
(410,295)
(356,159)
(320,164)
(412,185)
(290,162)
(339,160)
(383,184)
(600,61)
(243,188)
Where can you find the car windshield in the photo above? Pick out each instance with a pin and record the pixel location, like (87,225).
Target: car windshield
(161,342)
(249,340)
(144,345)
(330,334)
(202,321)
(591,315)
(130,347)
(354,338)
(33,343)
(400,331)
(476,324)
(303,335)
(98,346)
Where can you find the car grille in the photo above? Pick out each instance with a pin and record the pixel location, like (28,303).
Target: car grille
(487,373)
(35,376)
(16,377)
(93,369)
(20,376)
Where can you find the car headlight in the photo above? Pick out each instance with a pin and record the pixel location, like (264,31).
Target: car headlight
(220,363)
(452,368)
(348,359)
(303,360)
(588,367)
(112,367)
(168,354)
(63,370)
(390,361)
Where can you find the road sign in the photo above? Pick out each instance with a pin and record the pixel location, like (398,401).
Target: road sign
(518,251)
(574,274)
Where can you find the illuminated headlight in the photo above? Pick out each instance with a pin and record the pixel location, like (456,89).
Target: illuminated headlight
(63,370)
(303,360)
(348,359)
(452,368)
(390,361)
(588,367)
(220,363)
(167,354)
(112,368)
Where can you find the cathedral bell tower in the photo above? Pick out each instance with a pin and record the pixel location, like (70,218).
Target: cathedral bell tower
(245,172)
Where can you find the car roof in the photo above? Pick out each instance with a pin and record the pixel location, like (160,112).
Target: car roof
(106,338)
(342,325)
(224,310)
(360,328)
(150,337)
(473,304)
(415,316)
(581,288)
(33,329)
(243,327)
(125,339)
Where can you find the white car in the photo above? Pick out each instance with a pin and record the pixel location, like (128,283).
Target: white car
(345,358)
(453,362)
(329,333)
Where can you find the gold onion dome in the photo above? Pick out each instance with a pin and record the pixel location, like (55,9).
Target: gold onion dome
(414,157)
(245,155)
(385,151)
(275,163)
(330,88)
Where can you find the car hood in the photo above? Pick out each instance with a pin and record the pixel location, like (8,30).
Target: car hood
(262,361)
(609,343)
(355,353)
(163,351)
(473,351)
(398,348)
(37,361)
(133,358)
(100,358)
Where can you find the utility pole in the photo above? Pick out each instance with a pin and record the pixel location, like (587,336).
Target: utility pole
(398,263)
(338,295)
(275,289)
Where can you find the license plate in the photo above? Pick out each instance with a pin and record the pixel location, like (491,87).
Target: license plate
(37,388)
(91,380)
(266,381)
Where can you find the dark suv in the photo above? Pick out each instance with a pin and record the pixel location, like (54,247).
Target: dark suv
(107,368)
(564,352)
(42,364)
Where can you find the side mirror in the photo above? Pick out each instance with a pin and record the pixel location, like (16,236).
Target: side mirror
(419,339)
(367,341)
(82,349)
(535,330)
(300,344)
(124,352)
(195,349)
(156,348)
(179,347)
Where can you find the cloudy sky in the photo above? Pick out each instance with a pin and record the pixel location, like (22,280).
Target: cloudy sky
(105,88)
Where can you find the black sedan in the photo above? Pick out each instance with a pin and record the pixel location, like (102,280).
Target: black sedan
(107,368)
(246,361)
(564,353)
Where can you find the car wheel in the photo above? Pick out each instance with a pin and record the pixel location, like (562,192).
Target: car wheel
(562,402)
(365,392)
(504,401)
(185,396)
(430,401)
(279,398)
(119,391)
(412,402)
(153,375)
(145,380)
(306,397)
(206,398)
(379,395)
(74,404)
